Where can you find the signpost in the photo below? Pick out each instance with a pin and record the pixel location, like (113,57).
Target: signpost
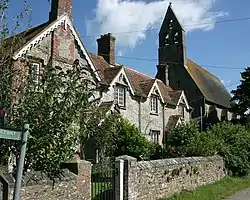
(14,134)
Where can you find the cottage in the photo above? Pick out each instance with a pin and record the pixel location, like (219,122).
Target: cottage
(145,101)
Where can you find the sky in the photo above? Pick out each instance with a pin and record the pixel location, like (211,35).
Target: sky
(135,24)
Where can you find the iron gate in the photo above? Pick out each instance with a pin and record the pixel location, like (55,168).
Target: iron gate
(103,181)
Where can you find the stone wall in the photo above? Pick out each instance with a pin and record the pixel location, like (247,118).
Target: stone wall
(39,186)
(150,180)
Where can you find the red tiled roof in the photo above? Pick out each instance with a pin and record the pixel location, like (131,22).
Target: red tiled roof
(175,95)
(140,83)
(172,121)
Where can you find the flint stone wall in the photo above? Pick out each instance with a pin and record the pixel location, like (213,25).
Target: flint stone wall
(151,180)
(40,186)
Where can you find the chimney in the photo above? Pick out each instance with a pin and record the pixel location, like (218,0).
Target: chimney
(106,48)
(163,73)
(59,8)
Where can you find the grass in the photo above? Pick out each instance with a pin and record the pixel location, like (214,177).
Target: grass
(100,188)
(217,191)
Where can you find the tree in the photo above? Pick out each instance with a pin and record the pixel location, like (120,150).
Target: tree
(242,94)
(114,136)
(7,47)
(54,107)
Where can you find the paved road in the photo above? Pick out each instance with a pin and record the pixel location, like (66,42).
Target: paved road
(242,195)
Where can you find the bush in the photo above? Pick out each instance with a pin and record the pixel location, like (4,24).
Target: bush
(235,146)
(228,140)
(115,136)
(203,144)
(178,140)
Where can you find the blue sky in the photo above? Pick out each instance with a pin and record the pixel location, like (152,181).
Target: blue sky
(223,45)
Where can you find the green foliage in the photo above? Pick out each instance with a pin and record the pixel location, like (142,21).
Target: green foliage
(241,94)
(235,146)
(203,144)
(115,136)
(228,140)
(179,138)
(225,139)
(53,108)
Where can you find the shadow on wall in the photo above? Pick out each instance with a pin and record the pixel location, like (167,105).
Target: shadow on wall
(90,152)
(212,117)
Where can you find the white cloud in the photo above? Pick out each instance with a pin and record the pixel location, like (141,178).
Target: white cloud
(130,18)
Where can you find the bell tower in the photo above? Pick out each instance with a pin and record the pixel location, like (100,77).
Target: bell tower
(172,49)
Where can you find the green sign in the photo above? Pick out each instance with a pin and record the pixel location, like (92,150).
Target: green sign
(10,134)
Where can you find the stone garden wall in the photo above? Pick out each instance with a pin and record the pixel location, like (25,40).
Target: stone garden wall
(150,180)
(39,186)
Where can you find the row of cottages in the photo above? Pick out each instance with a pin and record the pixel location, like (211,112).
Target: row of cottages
(205,93)
(146,101)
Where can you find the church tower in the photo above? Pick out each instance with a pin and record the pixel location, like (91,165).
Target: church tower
(171,51)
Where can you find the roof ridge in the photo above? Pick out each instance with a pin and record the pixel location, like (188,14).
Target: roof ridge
(150,77)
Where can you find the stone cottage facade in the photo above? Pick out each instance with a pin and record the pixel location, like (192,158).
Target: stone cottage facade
(205,92)
(147,102)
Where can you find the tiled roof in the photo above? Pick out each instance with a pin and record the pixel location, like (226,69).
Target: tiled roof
(110,73)
(172,121)
(210,86)
(175,95)
(140,83)
(25,36)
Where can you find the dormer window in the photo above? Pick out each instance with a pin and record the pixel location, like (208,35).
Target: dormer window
(35,72)
(120,95)
(154,104)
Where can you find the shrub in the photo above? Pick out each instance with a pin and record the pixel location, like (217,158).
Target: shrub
(115,136)
(228,140)
(179,138)
(203,144)
(235,146)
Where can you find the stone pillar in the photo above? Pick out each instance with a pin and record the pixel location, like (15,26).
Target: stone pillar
(82,169)
(130,177)
(119,167)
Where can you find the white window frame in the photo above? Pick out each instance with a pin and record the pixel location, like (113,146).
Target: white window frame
(35,73)
(155,136)
(154,104)
(120,95)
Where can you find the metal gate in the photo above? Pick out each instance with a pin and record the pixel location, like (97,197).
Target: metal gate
(103,181)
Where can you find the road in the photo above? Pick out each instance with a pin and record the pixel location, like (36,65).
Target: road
(242,195)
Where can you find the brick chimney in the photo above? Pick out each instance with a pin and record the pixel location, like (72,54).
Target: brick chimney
(59,8)
(106,48)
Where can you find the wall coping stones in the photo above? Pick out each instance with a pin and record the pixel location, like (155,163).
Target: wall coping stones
(175,161)
(40,178)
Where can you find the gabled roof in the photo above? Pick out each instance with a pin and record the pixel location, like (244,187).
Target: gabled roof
(142,84)
(34,35)
(209,85)
(172,122)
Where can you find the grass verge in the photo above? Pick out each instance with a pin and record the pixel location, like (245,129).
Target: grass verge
(217,191)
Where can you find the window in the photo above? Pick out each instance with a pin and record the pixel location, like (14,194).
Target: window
(120,95)
(35,72)
(155,136)
(181,108)
(154,104)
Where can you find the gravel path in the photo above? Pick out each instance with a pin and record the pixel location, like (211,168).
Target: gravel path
(242,195)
